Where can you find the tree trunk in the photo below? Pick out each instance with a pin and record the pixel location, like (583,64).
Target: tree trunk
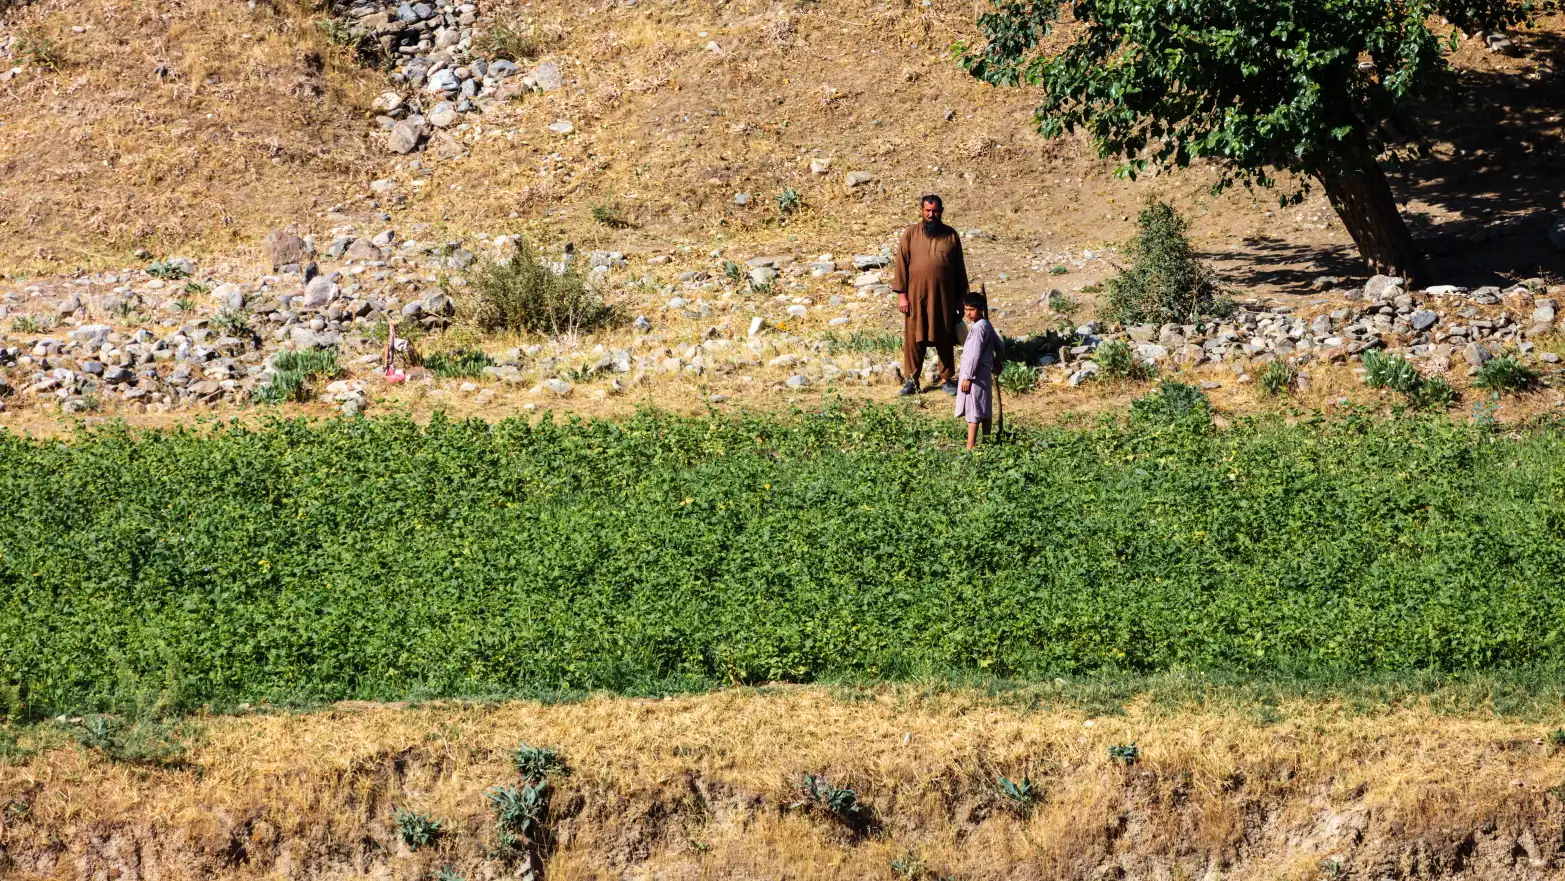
(1364,202)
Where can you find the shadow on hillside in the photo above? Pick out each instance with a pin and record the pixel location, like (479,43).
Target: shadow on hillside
(1502,180)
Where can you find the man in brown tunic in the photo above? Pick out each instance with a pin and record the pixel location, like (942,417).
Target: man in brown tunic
(930,280)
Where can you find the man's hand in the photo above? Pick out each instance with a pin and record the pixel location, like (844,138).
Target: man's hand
(902,303)
(967,386)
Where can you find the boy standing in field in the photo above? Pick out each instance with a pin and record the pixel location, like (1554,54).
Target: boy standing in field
(981,355)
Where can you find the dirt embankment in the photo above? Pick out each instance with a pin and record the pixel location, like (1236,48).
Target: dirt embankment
(708,786)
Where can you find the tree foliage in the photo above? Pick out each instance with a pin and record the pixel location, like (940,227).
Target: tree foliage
(1258,84)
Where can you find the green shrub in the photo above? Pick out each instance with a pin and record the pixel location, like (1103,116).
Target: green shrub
(1059,270)
(1278,378)
(166,270)
(789,202)
(1433,393)
(1023,796)
(231,322)
(861,341)
(1505,374)
(1389,371)
(838,802)
(31,324)
(1117,361)
(459,364)
(1125,754)
(1164,282)
(1018,378)
(537,763)
(521,811)
(1174,403)
(523,294)
(296,373)
(1063,304)
(416,830)
(137,741)
(609,217)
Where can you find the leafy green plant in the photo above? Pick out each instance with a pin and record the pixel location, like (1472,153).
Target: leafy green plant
(838,802)
(1174,403)
(1164,282)
(1557,738)
(521,811)
(339,33)
(733,271)
(459,364)
(39,49)
(197,288)
(31,324)
(137,741)
(1059,270)
(446,873)
(296,372)
(1127,754)
(1278,378)
(167,270)
(538,763)
(416,830)
(1023,796)
(861,342)
(123,309)
(185,305)
(1116,361)
(1433,393)
(1389,371)
(1505,374)
(1018,378)
(789,202)
(525,294)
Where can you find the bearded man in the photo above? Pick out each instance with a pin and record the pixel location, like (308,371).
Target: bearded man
(930,280)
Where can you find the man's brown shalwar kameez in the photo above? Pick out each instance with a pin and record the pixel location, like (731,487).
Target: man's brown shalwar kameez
(930,270)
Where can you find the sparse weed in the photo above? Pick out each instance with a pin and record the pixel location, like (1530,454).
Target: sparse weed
(446,873)
(732,271)
(1059,270)
(1505,374)
(167,270)
(1278,378)
(31,324)
(789,202)
(509,37)
(839,802)
(39,49)
(141,741)
(340,33)
(536,763)
(861,341)
(1061,303)
(609,217)
(417,830)
(1557,738)
(197,288)
(1434,393)
(185,305)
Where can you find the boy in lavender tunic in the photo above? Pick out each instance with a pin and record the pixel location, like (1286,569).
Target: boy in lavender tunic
(981,356)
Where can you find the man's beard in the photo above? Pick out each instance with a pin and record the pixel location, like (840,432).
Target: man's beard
(934,228)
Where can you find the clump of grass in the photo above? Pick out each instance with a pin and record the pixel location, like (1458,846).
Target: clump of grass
(417,830)
(38,49)
(296,372)
(1116,361)
(31,324)
(1018,378)
(1399,375)
(1433,393)
(459,364)
(197,288)
(231,322)
(609,217)
(340,33)
(525,294)
(1174,403)
(510,37)
(861,341)
(1278,378)
(537,763)
(1164,282)
(141,741)
(1061,303)
(1505,374)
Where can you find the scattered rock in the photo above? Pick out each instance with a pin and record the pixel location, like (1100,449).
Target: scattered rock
(281,248)
(855,179)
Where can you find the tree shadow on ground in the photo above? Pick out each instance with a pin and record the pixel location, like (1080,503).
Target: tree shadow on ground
(1482,201)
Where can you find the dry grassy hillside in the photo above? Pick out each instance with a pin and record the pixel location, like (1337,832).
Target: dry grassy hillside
(194,127)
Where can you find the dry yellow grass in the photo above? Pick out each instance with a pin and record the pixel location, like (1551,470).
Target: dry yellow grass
(698,787)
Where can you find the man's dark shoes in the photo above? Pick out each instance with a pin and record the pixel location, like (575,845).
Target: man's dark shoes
(910,387)
(949,388)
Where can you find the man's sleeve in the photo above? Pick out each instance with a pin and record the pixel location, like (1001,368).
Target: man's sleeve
(959,271)
(899,266)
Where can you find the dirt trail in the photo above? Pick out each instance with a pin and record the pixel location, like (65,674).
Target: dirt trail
(705,787)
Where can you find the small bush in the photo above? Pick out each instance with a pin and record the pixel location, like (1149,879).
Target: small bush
(231,322)
(838,802)
(1174,403)
(609,217)
(732,271)
(1390,371)
(167,270)
(416,830)
(38,49)
(1165,282)
(31,324)
(460,364)
(1278,378)
(1062,303)
(789,201)
(1557,737)
(341,34)
(1116,361)
(1058,270)
(143,741)
(536,763)
(1505,374)
(1018,378)
(525,294)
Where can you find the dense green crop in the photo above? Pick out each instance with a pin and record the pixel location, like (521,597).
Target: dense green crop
(380,558)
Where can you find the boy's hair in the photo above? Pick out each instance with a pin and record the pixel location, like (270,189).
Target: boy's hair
(977,301)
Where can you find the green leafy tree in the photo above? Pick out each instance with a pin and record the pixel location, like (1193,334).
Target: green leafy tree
(1256,85)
